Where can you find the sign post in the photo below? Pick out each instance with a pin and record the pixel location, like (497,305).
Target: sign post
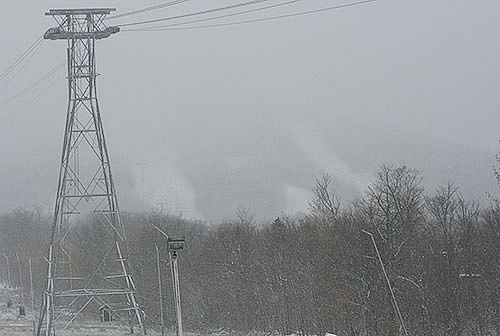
(175,245)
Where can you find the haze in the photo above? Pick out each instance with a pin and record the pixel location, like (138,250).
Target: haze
(205,122)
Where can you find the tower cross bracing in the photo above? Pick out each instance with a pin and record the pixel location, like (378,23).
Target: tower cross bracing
(85,192)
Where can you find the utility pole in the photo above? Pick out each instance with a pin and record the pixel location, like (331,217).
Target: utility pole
(159,291)
(85,187)
(394,301)
(20,278)
(32,296)
(175,245)
(9,279)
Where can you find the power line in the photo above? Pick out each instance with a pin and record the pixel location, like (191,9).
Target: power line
(32,99)
(22,67)
(241,4)
(34,84)
(262,19)
(30,49)
(219,16)
(147,9)
(9,69)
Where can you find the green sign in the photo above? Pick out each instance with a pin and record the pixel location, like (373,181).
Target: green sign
(175,244)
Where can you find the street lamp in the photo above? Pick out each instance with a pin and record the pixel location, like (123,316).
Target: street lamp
(175,245)
(20,277)
(8,269)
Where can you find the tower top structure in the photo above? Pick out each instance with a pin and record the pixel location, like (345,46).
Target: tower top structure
(80,11)
(78,23)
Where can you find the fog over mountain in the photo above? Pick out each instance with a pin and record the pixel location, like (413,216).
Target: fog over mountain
(204,122)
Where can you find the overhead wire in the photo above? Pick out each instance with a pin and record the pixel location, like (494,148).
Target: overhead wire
(21,57)
(147,9)
(22,67)
(219,16)
(34,84)
(277,17)
(35,46)
(207,11)
(32,99)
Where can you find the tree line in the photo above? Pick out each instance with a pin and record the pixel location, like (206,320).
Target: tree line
(317,272)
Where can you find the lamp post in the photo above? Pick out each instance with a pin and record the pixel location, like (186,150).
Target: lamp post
(160,291)
(394,301)
(175,245)
(32,296)
(20,278)
(8,269)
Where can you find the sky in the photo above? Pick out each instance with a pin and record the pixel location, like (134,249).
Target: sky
(204,122)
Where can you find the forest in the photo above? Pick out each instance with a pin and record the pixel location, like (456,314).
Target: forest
(313,273)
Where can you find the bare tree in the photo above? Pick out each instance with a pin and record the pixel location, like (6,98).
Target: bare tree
(393,211)
(442,269)
(324,204)
(442,208)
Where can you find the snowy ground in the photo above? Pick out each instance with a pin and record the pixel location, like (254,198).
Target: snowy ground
(11,324)
(7,332)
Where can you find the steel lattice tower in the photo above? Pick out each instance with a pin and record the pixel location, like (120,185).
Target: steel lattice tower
(85,187)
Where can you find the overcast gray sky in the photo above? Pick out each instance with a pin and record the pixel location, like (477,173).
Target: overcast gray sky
(207,121)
